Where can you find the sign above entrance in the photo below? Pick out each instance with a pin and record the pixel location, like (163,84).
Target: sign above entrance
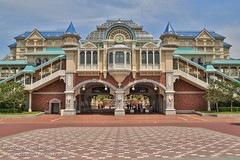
(100,90)
(139,90)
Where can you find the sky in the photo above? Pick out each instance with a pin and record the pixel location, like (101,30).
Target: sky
(18,16)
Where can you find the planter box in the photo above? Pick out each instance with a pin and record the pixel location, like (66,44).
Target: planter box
(131,111)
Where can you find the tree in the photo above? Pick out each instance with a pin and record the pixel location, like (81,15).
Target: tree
(11,95)
(232,92)
(215,93)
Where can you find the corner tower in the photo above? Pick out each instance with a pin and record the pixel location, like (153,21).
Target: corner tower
(169,37)
(71,37)
(70,46)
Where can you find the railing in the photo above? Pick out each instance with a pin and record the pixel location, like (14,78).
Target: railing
(197,73)
(44,71)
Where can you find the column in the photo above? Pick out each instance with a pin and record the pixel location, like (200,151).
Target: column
(30,102)
(104,63)
(169,93)
(69,76)
(119,111)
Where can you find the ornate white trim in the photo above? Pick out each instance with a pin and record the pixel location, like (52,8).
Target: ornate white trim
(145,80)
(94,81)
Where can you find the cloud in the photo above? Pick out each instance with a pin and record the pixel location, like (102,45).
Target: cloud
(55,15)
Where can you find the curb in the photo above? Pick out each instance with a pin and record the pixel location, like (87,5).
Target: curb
(216,115)
(21,116)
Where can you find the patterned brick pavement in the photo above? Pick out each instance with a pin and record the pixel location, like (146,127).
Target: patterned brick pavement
(155,142)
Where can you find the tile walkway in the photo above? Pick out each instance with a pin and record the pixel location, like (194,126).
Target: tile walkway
(163,142)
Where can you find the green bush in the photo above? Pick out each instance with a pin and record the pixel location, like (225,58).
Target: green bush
(228,109)
(10,110)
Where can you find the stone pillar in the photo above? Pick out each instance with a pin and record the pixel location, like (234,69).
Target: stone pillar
(69,92)
(30,102)
(69,96)
(169,93)
(133,59)
(119,111)
(105,62)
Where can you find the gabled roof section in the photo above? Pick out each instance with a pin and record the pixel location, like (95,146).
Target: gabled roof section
(35,31)
(44,34)
(204,32)
(169,29)
(71,29)
(13,44)
(225,44)
(194,34)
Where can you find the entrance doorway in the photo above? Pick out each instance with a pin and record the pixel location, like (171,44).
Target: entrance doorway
(55,108)
(96,99)
(143,99)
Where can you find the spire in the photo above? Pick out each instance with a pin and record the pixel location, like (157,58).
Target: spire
(169,29)
(71,29)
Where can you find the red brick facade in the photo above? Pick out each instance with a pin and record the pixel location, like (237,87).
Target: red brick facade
(188,101)
(40,100)
(77,79)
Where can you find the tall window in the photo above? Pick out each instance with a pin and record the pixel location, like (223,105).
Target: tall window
(38,61)
(44,60)
(200,61)
(150,57)
(95,57)
(88,57)
(128,58)
(119,57)
(82,57)
(156,56)
(144,57)
(110,58)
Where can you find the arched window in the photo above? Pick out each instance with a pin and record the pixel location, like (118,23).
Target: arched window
(128,58)
(13,70)
(156,57)
(82,57)
(110,58)
(5,69)
(119,57)
(193,59)
(88,57)
(144,57)
(150,57)
(44,60)
(200,61)
(95,57)
(38,61)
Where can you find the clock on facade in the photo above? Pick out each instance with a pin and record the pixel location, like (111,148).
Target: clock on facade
(119,39)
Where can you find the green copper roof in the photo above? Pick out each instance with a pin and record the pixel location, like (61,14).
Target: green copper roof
(188,50)
(54,50)
(29,68)
(210,68)
(48,51)
(13,62)
(226,61)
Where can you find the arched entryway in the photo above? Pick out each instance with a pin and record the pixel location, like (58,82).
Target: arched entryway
(144,96)
(95,97)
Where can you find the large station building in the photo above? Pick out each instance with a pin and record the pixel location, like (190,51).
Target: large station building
(117,68)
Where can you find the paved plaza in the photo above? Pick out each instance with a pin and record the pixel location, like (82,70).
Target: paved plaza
(152,142)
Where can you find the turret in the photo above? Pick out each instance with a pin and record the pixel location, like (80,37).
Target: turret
(71,37)
(169,37)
